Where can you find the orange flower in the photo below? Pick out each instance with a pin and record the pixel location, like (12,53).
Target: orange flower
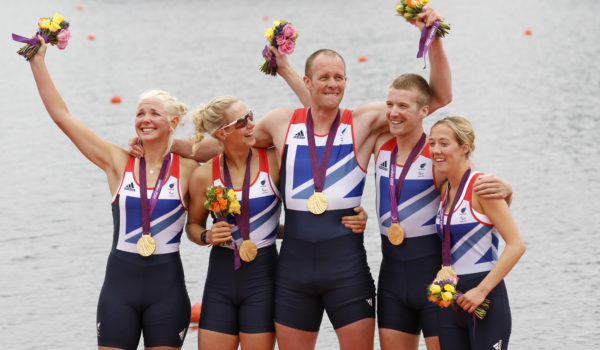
(412,3)
(214,206)
(443,303)
(219,192)
(432,299)
(222,203)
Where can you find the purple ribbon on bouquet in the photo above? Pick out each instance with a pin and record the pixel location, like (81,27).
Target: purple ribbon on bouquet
(31,41)
(427,36)
(273,61)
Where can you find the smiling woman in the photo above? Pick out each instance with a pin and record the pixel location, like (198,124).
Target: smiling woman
(128,303)
(237,306)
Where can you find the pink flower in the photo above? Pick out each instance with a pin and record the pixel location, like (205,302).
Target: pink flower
(287,48)
(280,40)
(289,31)
(63,38)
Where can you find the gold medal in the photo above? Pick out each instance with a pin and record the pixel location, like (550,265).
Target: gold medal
(248,250)
(395,233)
(317,203)
(146,245)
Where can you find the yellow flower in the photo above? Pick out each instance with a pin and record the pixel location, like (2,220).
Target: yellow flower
(434,288)
(424,2)
(269,34)
(449,288)
(44,23)
(234,207)
(276,23)
(447,296)
(54,26)
(57,18)
(231,193)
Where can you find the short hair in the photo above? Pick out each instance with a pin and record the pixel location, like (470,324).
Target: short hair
(416,83)
(208,118)
(314,55)
(462,129)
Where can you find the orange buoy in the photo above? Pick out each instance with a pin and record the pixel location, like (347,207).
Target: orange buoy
(528,32)
(362,58)
(91,37)
(265,18)
(79,7)
(196,312)
(115,99)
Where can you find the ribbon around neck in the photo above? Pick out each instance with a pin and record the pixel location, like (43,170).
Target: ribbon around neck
(445,228)
(147,211)
(242,219)
(395,188)
(427,36)
(320,169)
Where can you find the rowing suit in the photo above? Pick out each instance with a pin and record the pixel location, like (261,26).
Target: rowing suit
(322,264)
(242,300)
(474,252)
(408,268)
(145,294)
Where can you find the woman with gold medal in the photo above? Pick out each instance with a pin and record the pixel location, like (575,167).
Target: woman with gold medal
(237,305)
(471,227)
(144,288)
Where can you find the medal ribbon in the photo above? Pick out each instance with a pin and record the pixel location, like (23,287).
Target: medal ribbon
(445,228)
(243,219)
(426,40)
(319,170)
(147,212)
(396,187)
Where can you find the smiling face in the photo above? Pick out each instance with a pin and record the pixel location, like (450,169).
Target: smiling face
(237,136)
(445,149)
(405,116)
(327,81)
(152,123)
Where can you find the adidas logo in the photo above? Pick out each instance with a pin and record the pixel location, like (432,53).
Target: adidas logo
(498,345)
(299,135)
(369,301)
(98,327)
(182,333)
(130,187)
(384,165)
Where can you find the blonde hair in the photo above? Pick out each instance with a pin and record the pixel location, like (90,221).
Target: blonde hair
(416,83)
(172,106)
(463,131)
(208,118)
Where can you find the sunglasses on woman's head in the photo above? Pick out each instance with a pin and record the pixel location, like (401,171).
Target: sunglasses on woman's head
(240,122)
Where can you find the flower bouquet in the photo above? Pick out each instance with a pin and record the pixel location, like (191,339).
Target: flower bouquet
(409,9)
(281,36)
(54,30)
(222,202)
(443,293)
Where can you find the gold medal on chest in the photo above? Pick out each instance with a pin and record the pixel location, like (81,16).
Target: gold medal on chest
(248,250)
(317,203)
(146,245)
(395,233)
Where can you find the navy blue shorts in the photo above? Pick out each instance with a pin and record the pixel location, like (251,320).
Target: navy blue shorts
(462,331)
(143,294)
(402,302)
(330,275)
(239,300)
